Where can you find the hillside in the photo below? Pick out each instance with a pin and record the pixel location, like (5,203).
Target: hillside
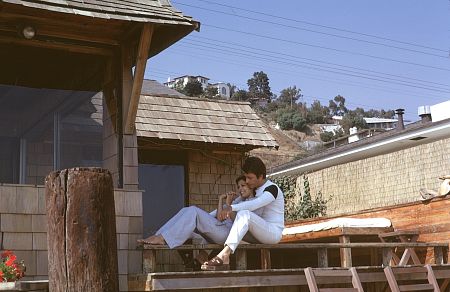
(290,146)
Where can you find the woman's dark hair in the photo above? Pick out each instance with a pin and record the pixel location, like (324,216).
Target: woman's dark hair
(239,178)
(254,165)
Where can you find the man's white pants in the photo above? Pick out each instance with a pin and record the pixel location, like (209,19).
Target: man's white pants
(261,230)
(190,221)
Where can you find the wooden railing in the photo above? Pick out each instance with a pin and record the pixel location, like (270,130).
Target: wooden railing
(387,250)
(371,277)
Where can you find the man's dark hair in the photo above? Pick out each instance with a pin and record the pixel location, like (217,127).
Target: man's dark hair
(254,165)
(239,178)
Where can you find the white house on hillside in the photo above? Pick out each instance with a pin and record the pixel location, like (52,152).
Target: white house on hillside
(377,123)
(222,88)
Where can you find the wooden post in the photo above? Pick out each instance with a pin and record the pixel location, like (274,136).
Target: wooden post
(241,259)
(387,256)
(346,253)
(322,258)
(149,261)
(265,259)
(81,237)
(438,255)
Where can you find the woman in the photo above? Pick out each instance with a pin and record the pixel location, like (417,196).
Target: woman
(192,220)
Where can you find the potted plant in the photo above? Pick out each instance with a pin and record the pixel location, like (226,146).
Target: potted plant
(10,270)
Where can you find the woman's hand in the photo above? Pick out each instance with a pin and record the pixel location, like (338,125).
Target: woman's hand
(230,197)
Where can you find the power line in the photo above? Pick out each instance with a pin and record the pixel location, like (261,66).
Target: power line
(317,32)
(309,76)
(323,68)
(322,26)
(358,84)
(239,47)
(327,48)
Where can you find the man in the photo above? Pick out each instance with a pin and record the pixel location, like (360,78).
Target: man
(266,228)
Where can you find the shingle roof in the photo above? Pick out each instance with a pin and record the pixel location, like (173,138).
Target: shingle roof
(156,11)
(164,113)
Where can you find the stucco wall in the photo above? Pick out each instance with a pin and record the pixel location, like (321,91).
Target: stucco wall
(382,180)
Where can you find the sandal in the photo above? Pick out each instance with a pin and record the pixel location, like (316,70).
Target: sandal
(215,264)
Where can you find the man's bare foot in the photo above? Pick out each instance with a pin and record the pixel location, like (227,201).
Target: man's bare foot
(154,239)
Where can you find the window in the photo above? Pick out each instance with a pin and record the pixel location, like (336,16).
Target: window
(224,91)
(42,130)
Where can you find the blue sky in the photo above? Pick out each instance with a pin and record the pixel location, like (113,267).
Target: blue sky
(377,54)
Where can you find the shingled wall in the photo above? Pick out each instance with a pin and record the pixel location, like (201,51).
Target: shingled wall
(23,229)
(383,180)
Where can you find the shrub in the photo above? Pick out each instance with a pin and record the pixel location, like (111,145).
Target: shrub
(298,205)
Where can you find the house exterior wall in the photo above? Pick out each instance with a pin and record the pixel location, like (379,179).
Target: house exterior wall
(23,229)
(383,180)
(210,175)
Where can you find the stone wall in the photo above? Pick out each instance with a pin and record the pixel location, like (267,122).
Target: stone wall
(23,227)
(383,180)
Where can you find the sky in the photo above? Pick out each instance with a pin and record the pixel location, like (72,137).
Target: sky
(380,54)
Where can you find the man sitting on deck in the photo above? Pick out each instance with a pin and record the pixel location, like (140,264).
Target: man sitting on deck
(267,228)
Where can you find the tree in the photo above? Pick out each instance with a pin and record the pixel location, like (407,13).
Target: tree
(331,135)
(289,119)
(193,88)
(178,86)
(258,86)
(211,92)
(240,95)
(290,95)
(233,89)
(332,108)
(352,119)
(340,100)
(317,114)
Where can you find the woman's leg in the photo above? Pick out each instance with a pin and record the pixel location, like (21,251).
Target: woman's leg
(192,219)
(157,238)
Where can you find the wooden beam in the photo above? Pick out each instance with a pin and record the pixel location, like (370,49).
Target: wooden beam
(84,49)
(141,62)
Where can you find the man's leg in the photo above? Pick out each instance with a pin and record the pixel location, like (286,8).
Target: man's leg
(247,221)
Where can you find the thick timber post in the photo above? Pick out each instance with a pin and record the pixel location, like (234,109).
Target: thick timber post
(81,237)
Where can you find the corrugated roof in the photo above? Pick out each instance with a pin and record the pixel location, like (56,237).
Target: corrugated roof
(166,114)
(155,11)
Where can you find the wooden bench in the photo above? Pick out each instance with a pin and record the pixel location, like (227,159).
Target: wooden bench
(321,250)
(374,277)
(341,235)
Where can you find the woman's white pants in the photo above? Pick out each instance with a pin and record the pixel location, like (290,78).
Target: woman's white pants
(193,220)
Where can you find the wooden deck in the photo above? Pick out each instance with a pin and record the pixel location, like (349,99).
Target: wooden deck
(372,278)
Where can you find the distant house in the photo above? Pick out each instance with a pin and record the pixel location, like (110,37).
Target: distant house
(372,123)
(383,170)
(222,88)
